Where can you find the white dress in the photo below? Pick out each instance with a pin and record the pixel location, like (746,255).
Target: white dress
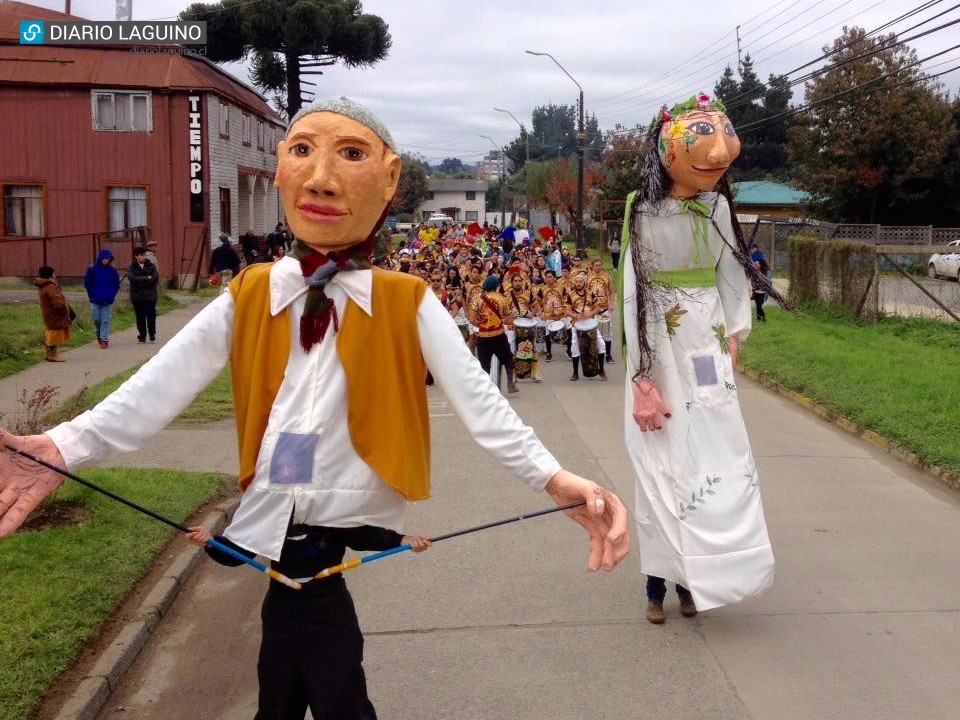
(698,509)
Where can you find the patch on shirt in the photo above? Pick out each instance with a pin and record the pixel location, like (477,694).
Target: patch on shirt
(705,369)
(292,461)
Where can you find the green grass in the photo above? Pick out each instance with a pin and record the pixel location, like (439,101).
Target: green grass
(697,277)
(59,585)
(214,403)
(21,342)
(897,377)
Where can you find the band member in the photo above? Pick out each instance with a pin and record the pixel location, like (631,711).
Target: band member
(489,311)
(523,345)
(577,307)
(551,305)
(600,289)
(473,285)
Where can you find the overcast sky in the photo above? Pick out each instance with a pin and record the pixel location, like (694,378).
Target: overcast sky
(451,62)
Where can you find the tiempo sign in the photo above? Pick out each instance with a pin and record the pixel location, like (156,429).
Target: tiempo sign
(133,32)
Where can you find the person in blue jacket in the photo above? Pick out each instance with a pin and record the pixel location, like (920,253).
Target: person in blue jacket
(102,282)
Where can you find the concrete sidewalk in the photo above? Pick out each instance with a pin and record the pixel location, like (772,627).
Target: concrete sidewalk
(89,364)
(863,621)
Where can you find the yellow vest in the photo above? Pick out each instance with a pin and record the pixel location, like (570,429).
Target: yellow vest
(386,399)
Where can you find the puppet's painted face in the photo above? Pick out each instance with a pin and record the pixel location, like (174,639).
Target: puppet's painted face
(696,148)
(335,177)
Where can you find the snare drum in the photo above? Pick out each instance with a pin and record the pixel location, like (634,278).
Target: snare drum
(463,326)
(555,328)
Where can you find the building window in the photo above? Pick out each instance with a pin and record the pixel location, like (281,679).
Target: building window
(429,195)
(245,129)
(122,111)
(224,120)
(23,210)
(272,140)
(472,195)
(225,210)
(259,135)
(471,215)
(127,207)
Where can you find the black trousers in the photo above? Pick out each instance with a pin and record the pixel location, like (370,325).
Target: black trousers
(146,313)
(311,654)
(497,345)
(657,589)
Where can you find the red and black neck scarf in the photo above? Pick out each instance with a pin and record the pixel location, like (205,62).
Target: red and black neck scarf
(319,269)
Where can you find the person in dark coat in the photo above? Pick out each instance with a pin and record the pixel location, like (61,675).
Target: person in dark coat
(102,283)
(225,258)
(56,312)
(144,282)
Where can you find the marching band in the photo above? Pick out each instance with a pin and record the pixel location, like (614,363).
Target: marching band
(513,305)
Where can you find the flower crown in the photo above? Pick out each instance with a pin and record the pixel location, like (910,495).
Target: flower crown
(698,102)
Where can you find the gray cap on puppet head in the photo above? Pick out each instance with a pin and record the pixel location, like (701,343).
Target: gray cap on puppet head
(354,111)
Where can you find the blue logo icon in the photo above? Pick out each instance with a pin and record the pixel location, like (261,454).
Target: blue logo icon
(31,32)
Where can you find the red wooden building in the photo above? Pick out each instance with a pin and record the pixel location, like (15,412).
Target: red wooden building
(98,141)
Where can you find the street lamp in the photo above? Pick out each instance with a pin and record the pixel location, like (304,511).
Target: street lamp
(503,172)
(526,138)
(581,138)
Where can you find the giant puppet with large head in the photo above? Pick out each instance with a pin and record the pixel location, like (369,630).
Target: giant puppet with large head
(337,174)
(699,515)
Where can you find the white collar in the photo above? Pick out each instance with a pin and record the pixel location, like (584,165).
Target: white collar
(286,285)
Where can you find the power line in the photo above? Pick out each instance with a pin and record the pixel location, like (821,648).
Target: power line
(817,103)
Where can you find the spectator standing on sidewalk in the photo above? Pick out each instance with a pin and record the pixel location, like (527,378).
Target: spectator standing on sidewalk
(55,311)
(144,282)
(102,282)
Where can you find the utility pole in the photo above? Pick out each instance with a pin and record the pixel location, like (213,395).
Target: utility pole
(581,143)
(503,175)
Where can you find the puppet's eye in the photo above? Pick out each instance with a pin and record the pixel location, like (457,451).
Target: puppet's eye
(353,153)
(300,149)
(701,128)
(728,129)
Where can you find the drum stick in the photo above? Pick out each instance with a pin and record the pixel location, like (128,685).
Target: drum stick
(357,562)
(279,577)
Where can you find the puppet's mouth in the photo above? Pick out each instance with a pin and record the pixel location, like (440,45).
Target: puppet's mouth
(320,212)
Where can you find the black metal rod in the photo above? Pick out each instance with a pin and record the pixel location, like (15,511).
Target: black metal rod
(102,490)
(507,521)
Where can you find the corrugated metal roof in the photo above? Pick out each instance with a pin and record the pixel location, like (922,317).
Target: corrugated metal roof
(110,65)
(762,192)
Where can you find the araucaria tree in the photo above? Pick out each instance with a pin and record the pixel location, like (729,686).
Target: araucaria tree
(284,37)
(870,147)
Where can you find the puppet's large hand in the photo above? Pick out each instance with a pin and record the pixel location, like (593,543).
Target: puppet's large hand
(604,517)
(648,405)
(23,483)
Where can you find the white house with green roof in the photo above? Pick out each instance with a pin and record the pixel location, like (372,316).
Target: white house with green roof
(760,197)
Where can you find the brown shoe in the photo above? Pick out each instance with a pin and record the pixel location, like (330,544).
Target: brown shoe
(655,613)
(687,607)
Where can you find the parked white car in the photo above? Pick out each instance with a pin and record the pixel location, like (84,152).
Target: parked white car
(945,264)
(438,220)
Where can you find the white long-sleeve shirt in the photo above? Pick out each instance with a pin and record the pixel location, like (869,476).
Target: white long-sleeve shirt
(309,417)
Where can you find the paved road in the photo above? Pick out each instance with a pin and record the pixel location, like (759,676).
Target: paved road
(863,622)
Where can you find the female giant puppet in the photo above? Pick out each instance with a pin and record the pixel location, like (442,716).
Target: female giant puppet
(698,510)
